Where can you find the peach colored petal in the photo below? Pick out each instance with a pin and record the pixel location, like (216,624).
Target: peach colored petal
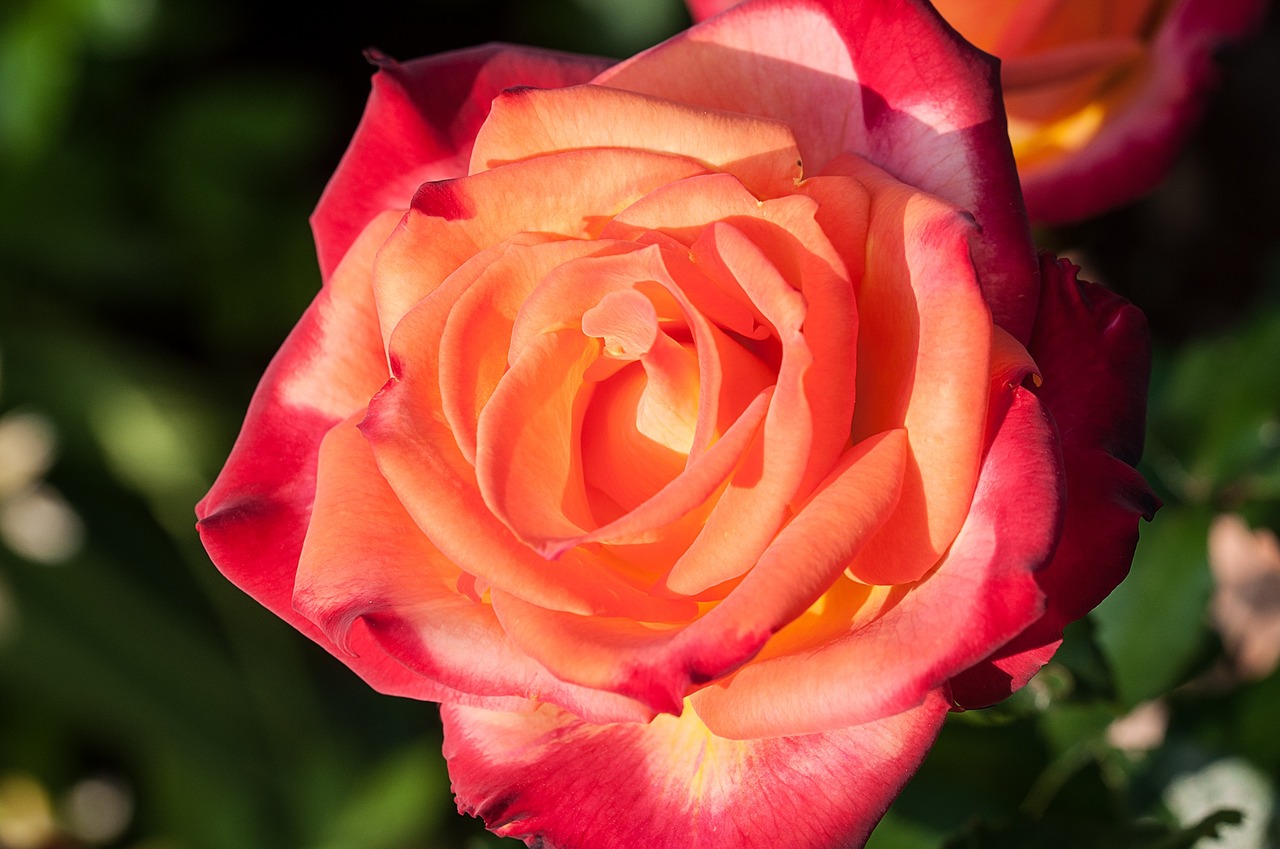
(649,521)
(657,665)
(529,122)
(528,459)
(577,285)
(755,503)
(647,414)
(883,79)
(365,560)
(418,456)
(665,277)
(924,344)
(785,234)
(982,594)
(789,241)
(728,412)
(729,415)
(475,336)
(451,221)
(619,458)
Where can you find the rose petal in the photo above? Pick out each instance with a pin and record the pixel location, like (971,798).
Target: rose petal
(534,122)
(658,665)
(683,786)
(326,370)
(417,454)
(750,510)
(784,236)
(451,221)
(1105,499)
(834,71)
(1092,349)
(528,455)
(418,126)
(476,328)
(703,9)
(924,345)
(365,561)
(982,594)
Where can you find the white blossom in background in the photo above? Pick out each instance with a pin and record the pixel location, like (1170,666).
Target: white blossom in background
(36,522)
(1227,783)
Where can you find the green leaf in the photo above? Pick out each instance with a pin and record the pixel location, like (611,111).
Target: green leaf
(1152,626)
(400,799)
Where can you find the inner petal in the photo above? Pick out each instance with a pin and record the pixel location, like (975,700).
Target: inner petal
(527,462)
(666,410)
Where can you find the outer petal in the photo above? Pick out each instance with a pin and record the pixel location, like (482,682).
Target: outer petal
(451,221)
(532,122)
(659,666)
(924,345)
(1092,349)
(703,9)
(1136,145)
(557,782)
(327,369)
(365,560)
(419,125)
(886,79)
(982,594)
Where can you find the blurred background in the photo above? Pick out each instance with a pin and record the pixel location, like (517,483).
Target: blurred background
(158,160)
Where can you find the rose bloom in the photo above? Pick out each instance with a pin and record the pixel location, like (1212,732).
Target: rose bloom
(697,430)
(1100,94)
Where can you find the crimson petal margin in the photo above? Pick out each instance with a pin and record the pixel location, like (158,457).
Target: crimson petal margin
(1092,349)
(554,781)
(326,370)
(419,125)
(365,560)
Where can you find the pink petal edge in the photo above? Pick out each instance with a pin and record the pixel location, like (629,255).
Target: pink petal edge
(552,780)
(1092,348)
(419,125)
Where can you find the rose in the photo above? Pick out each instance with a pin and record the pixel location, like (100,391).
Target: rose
(1100,94)
(697,437)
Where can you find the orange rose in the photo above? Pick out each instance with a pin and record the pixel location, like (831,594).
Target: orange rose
(680,434)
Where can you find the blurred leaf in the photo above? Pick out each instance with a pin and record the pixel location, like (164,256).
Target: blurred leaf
(1088,835)
(1072,725)
(1215,423)
(972,771)
(1152,626)
(1249,721)
(399,800)
(897,832)
(1081,655)
(42,47)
